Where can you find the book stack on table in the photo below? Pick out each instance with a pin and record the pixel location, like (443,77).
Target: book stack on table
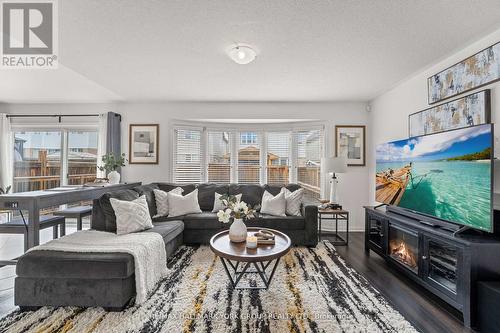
(265,237)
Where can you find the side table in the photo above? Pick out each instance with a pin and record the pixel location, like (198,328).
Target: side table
(337,215)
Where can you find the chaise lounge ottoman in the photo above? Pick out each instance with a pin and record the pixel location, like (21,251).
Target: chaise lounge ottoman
(56,278)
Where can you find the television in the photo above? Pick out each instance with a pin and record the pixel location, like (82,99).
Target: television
(447,175)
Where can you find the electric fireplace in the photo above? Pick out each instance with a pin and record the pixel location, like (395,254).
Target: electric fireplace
(403,247)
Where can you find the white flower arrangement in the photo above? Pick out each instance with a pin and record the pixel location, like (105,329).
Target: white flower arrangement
(235,209)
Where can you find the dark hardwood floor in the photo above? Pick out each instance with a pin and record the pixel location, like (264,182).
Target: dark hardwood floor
(423,310)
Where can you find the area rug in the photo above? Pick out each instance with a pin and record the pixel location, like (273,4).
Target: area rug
(313,290)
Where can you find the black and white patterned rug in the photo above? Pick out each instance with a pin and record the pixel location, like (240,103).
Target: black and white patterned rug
(312,291)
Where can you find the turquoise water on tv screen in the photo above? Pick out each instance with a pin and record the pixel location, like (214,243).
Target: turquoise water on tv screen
(458,191)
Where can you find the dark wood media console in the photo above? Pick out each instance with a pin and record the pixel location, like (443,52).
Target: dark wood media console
(448,266)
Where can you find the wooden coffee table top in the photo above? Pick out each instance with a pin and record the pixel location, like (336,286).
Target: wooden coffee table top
(223,247)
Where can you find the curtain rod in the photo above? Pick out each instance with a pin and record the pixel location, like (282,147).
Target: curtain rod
(50,116)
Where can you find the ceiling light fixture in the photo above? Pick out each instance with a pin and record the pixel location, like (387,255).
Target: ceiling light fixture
(242,55)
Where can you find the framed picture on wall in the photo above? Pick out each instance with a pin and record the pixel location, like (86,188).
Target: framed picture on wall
(350,142)
(471,110)
(143,143)
(476,71)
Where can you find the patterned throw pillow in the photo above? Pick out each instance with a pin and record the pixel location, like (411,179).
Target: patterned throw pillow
(131,216)
(293,201)
(161,198)
(273,205)
(219,205)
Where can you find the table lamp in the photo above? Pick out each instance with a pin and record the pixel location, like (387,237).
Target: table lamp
(334,165)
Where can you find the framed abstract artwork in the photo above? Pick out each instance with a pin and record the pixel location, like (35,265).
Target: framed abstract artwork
(476,71)
(473,109)
(143,143)
(351,142)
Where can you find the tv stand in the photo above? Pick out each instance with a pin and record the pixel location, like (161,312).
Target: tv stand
(381,205)
(465,230)
(447,263)
(440,224)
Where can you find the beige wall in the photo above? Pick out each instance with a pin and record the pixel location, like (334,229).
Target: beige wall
(389,112)
(353,187)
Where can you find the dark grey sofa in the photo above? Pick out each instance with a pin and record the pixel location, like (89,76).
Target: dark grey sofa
(107,279)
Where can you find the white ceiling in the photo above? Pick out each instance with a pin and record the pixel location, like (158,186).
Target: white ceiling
(335,50)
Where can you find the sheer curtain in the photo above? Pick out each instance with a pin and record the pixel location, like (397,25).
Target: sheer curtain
(6,152)
(101,146)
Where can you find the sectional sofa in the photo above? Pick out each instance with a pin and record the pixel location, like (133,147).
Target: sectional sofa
(107,279)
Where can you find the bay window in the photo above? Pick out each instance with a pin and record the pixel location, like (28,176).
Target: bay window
(248,156)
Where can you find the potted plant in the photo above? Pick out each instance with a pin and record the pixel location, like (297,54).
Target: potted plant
(111,164)
(236,211)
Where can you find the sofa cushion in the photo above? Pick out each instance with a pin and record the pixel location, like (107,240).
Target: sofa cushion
(204,220)
(275,189)
(60,264)
(277,222)
(206,194)
(167,187)
(159,219)
(147,190)
(251,194)
(109,213)
(168,230)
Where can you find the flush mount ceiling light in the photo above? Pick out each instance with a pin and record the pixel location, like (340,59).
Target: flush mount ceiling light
(242,54)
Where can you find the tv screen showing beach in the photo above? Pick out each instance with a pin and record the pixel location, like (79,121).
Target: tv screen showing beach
(447,175)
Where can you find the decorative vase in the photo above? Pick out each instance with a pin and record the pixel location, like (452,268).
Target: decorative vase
(114,177)
(238,231)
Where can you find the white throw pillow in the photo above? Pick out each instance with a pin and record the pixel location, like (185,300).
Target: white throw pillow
(219,205)
(161,198)
(131,216)
(181,205)
(293,201)
(273,205)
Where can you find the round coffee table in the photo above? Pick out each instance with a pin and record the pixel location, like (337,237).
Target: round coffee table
(235,254)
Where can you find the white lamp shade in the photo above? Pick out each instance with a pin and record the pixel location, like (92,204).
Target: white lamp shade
(334,164)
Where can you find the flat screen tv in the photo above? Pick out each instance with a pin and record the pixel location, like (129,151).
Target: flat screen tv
(448,175)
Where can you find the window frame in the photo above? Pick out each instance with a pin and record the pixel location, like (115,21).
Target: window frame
(235,130)
(64,129)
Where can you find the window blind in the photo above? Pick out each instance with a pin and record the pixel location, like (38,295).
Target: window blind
(219,157)
(187,156)
(278,157)
(249,158)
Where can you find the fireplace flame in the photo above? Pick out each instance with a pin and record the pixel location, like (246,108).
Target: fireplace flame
(403,253)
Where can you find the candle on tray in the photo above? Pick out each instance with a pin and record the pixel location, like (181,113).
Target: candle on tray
(251,242)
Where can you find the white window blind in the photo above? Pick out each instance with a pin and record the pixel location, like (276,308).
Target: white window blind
(278,157)
(219,157)
(187,156)
(274,156)
(249,158)
(308,153)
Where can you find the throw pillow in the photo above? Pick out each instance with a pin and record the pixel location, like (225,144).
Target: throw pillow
(131,216)
(219,205)
(161,198)
(273,205)
(293,201)
(181,205)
